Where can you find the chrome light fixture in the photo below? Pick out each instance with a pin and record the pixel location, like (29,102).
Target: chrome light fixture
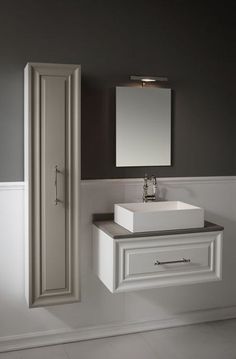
(146,79)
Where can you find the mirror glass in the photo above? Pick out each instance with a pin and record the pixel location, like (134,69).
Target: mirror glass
(143,126)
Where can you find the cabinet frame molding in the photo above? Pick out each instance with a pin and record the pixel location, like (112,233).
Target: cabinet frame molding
(36,293)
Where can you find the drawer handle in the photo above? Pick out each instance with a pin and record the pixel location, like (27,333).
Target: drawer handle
(157,263)
(57,200)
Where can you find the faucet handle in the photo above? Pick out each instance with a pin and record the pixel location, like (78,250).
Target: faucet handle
(145,180)
(154,180)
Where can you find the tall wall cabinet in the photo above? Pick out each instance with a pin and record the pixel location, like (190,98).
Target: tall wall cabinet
(52,182)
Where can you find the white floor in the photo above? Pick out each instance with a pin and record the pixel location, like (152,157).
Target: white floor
(215,340)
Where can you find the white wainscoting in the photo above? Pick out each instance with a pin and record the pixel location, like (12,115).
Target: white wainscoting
(101,313)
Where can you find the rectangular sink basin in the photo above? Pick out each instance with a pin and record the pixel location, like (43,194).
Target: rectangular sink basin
(158,216)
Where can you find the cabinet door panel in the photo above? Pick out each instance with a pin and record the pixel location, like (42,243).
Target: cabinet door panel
(52,161)
(53,215)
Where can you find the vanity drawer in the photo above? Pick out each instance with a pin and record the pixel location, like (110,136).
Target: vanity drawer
(163,259)
(173,260)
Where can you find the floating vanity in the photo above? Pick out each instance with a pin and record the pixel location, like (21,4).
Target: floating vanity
(128,261)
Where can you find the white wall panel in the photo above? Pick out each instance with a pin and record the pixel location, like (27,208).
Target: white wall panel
(98,307)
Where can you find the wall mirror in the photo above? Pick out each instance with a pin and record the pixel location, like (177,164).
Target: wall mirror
(143,126)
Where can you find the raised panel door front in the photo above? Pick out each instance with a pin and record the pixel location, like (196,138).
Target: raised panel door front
(53,175)
(168,260)
(53,168)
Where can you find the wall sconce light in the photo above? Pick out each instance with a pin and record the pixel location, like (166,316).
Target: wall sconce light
(148,79)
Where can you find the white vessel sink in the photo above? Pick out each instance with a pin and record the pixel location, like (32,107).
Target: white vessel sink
(158,216)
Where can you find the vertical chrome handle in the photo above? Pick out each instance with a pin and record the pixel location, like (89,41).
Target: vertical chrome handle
(56,201)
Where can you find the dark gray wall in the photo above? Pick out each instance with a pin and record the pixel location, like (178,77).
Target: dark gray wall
(191,42)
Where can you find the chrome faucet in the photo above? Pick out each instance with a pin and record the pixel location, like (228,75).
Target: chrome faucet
(147,196)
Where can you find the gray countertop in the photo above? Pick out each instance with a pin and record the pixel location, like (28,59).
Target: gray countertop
(105,221)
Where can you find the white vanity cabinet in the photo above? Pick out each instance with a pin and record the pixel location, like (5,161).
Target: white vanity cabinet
(52,182)
(126,261)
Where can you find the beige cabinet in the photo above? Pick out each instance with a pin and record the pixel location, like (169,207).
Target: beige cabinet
(52,182)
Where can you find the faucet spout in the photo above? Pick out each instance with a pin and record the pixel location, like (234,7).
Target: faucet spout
(150,189)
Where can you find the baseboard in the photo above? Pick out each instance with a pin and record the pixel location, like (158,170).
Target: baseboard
(54,337)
